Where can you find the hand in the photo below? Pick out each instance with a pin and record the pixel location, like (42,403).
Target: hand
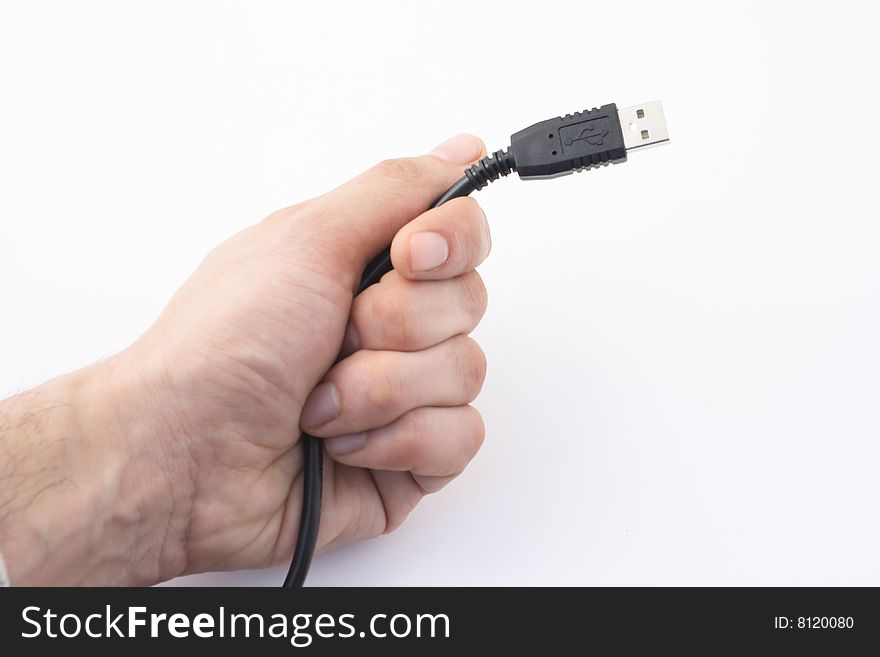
(198,422)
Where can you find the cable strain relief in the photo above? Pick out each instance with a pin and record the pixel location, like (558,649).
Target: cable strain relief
(490,168)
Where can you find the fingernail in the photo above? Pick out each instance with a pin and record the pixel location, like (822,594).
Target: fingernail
(346,444)
(427,250)
(351,342)
(461,149)
(321,406)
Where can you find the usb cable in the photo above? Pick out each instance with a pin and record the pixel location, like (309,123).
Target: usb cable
(551,148)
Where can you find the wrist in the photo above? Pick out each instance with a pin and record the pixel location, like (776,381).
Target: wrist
(91,494)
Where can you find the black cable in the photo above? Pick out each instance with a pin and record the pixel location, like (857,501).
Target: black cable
(313,488)
(544,150)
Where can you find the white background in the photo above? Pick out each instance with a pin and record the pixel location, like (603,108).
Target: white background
(684,363)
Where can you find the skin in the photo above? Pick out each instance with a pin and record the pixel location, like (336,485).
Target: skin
(181,454)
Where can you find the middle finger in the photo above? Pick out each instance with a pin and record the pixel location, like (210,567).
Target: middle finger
(402,315)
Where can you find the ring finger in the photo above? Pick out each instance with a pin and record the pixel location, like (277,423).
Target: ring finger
(403,315)
(433,442)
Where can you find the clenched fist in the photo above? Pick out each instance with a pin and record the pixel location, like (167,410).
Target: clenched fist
(181,454)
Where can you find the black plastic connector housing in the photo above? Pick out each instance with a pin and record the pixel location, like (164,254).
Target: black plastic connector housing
(569,143)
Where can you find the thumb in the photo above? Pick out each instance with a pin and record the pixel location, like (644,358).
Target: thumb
(361,217)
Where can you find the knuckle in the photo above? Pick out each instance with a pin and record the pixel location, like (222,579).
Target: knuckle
(390,320)
(477,433)
(476,297)
(487,233)
(471,365)
(412,433)
(413,427)
(407,169)
(470,441)
(475,232)
(284,215)
(478,216)
(274,217)
(382,385)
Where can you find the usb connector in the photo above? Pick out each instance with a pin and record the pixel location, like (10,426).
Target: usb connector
(587,139)
(574,142)
(643,125)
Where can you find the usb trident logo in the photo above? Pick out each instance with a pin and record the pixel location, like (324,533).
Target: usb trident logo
(590,134)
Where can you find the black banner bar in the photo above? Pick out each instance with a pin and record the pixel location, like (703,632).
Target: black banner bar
(422,621)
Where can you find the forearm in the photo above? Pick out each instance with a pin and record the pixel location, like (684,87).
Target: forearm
(85,493)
